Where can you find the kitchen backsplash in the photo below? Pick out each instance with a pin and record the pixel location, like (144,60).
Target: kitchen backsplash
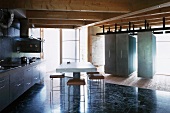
(7,46)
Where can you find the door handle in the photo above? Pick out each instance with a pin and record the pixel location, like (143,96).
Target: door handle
(121,53)
(109,53)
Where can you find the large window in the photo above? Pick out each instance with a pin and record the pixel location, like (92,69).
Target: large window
(163,53)
(70,43)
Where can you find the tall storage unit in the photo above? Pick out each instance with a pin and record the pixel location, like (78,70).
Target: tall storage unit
(146,54)
(125,54)
(120,54)
(110,54)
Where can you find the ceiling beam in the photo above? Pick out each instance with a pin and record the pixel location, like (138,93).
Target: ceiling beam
(159,10)
(167,4)
(152,20)
(59,22)
(74,15)
(70,5)
(138,18)
(139,25)
(53,26)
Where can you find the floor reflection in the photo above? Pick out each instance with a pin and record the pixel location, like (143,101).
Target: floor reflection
(115,99)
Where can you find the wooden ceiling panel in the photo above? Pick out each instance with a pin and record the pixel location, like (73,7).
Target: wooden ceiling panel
(75,13)
(70,5)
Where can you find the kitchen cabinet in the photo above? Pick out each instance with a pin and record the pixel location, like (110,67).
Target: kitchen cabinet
(146,54)
(125,54)
(16,83)
(28,72)
(4,90)
(42,70)
(110,54)
(35,75)
(120,54)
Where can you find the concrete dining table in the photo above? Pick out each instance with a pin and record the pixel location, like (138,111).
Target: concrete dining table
(76,68)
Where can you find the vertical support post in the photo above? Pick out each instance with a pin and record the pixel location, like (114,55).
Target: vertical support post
(133,28)
(42,47)
(163,22)
(61,44)
(109,29)
(103,28)
(145,24)
(129,26)
(115,27)
(120,28)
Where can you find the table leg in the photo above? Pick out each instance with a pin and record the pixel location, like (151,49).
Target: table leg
(76,74)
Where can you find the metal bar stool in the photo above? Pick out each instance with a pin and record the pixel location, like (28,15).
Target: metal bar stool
(76,83)
(54,88)
(95,77)
(95,80)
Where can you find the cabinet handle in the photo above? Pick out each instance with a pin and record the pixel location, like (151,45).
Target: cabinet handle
(109,53)
(36,78)
(28,83)
(2,80)
(121,53)
(18,85)
(2,87)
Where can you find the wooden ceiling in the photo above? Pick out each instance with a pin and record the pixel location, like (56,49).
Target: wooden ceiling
(77,13)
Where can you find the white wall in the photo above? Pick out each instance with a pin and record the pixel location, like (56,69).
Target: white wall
(52,48)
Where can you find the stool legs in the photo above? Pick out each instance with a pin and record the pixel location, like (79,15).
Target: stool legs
(61,87)
(75,96)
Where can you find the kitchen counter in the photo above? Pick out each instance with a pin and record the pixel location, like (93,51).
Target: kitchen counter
(15,79)
(10,66)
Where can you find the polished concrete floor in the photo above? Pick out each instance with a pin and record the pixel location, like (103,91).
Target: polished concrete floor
(115,99)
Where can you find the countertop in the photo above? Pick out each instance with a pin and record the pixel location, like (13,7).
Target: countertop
(11,66)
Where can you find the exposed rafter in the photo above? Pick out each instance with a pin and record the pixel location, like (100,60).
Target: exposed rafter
(59,22)
(70,15)
(54,26)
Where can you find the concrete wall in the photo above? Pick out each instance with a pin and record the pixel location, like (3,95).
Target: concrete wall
(96,47)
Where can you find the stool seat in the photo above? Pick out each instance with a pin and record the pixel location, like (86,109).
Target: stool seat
(57,75)
(76,81)
(89,73)
(96,76)
(58,87)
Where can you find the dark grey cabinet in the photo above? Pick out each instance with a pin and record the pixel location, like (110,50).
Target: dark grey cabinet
(16,83)
(125,54)
(28,78)
(42,70)
(146,54)
(110,53)
(4,90)
(120,54)
(35,75)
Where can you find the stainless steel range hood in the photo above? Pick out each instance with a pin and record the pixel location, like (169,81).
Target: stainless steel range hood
(24,28)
